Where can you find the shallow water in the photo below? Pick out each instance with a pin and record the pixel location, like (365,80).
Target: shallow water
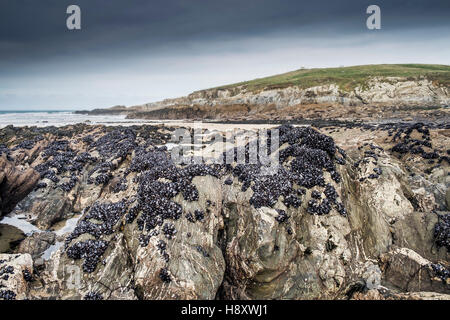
(48,253)
(66,226)
(62,118)
(14,229)
(20,223)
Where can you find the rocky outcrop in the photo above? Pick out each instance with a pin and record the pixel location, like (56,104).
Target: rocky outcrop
(15,184)
(375,97)
(37,243)
(378,91)
(397,95)
(360,214)
(410,272)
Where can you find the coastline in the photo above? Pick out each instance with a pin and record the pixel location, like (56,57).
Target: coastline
(86,179)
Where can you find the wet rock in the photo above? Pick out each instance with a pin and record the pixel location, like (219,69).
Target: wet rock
(37,243)
(193,273)
(45,208)
(15,184)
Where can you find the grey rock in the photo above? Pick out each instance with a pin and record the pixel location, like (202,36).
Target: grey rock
(37,243)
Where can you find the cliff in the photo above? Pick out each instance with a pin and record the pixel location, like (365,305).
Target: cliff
(397,89)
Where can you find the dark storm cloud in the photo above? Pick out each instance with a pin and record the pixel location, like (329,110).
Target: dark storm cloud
(136,51)
(31,30)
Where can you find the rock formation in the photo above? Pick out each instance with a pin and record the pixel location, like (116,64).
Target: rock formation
(353,211)
(375,97)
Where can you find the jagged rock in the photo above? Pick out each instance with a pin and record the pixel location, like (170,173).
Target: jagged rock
(15,184)
(44,207)
(375,204)
(112,278)
(425,201)
(408,271)
(325,226)
(194,273)
(430,193)
(265,103)
(37,243)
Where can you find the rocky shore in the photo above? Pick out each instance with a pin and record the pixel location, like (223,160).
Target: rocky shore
(355,210)
(366,98)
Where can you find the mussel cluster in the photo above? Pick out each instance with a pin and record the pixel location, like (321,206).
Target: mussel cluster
(28,144)
(121,185)
(423,147)
(301,165)
(282,216)
(154,196)
(5,272)
(5,150)
(93,296)
(7,295)
(27,275)
(116,144)
(169,230)
(199,215)
(164,275)
(59,158)
(108,214)
(99,221)
(371,154)
(440,271)
(90,250)
(442,231)
(68,185)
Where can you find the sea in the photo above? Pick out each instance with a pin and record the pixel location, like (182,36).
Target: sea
(44,118)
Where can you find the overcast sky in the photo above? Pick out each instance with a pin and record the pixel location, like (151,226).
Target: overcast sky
(136,51)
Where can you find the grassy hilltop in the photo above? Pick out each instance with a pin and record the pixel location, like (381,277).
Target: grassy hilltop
(348,77)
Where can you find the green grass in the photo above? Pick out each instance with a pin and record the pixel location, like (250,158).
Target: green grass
(348,77)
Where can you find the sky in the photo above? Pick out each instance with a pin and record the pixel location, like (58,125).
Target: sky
(131,52)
